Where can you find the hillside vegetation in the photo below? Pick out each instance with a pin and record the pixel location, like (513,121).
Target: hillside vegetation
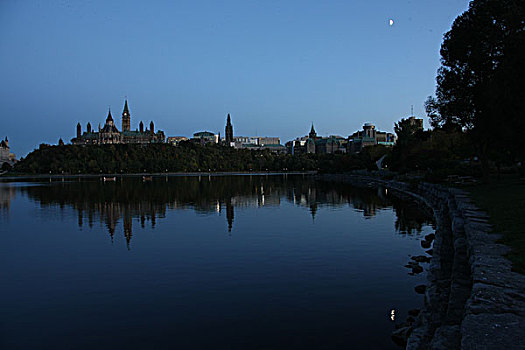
(187,157)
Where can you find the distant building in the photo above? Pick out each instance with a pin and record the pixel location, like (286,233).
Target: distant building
(296,146)
(316,144)
(369,136)
(204,137)
(5,155)
(175,140)
(263,141)
(245,140)
(259,143)
(228,131)
(109,133)
(276,148)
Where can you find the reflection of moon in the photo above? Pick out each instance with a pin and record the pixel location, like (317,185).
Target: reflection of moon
(391,22)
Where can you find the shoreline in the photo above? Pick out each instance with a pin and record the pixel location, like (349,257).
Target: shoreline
(152,175)
(473,299)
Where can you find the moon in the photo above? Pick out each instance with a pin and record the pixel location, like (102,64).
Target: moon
(391,22)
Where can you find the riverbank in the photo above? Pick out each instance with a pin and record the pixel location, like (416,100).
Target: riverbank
(504,202)
(57,177)
(473,300)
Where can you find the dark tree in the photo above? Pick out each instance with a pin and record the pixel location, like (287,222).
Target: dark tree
(407,131)
(481,85)
(6,166)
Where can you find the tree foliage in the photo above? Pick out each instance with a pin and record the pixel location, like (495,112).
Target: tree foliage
(481,82)
(187,157)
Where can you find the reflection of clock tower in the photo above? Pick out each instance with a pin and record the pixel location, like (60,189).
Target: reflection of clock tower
(126,118)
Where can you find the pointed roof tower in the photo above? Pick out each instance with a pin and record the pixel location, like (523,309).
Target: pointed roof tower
(228,131)
(126,118)
(126,109)
(312,133)
(109,118)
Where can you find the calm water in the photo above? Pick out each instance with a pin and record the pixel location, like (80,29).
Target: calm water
(240,262)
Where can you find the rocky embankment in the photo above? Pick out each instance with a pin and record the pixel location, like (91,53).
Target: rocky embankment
(472,300)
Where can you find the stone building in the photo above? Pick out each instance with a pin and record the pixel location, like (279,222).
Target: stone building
(109,133)
(175,140)
(316,144)
(204,137)
(369,136)
(259,143)
(5,155)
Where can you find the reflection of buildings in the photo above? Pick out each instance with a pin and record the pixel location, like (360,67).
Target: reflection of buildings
(7,193)
(129,202)
(229,215)
(315,196)
(110,213)
(254,201)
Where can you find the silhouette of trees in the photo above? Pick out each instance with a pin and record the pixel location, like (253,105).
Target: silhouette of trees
(481,83)
(187,157)
(5,166)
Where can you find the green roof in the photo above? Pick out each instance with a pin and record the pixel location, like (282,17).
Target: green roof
(203,133)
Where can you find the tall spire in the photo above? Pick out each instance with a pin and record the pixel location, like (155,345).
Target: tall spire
(126,118)
(312,133)
(228,137)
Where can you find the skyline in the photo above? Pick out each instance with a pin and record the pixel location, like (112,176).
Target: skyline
(276,68)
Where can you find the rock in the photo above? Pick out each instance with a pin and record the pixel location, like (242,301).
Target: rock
(425,244)
(430,252)
(413,312)
(430,237)
(447,337)
(421,259)
(417,269)
(420,289)
(400,336)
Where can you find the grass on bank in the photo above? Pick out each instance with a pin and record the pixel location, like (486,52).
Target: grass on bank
(504,201)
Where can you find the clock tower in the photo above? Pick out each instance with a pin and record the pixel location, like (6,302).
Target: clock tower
(126,118)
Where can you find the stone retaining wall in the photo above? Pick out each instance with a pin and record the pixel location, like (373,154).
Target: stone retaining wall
(473,299)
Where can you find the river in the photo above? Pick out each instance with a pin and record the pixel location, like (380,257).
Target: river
(205,262)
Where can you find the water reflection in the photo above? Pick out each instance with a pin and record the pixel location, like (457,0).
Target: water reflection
(130,200)
(7,193)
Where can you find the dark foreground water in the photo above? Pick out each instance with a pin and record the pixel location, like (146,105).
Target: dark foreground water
(239,262)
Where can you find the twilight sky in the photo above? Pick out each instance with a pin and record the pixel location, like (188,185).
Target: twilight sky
(275,66)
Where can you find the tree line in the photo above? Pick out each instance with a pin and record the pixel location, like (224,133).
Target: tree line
(186,157)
